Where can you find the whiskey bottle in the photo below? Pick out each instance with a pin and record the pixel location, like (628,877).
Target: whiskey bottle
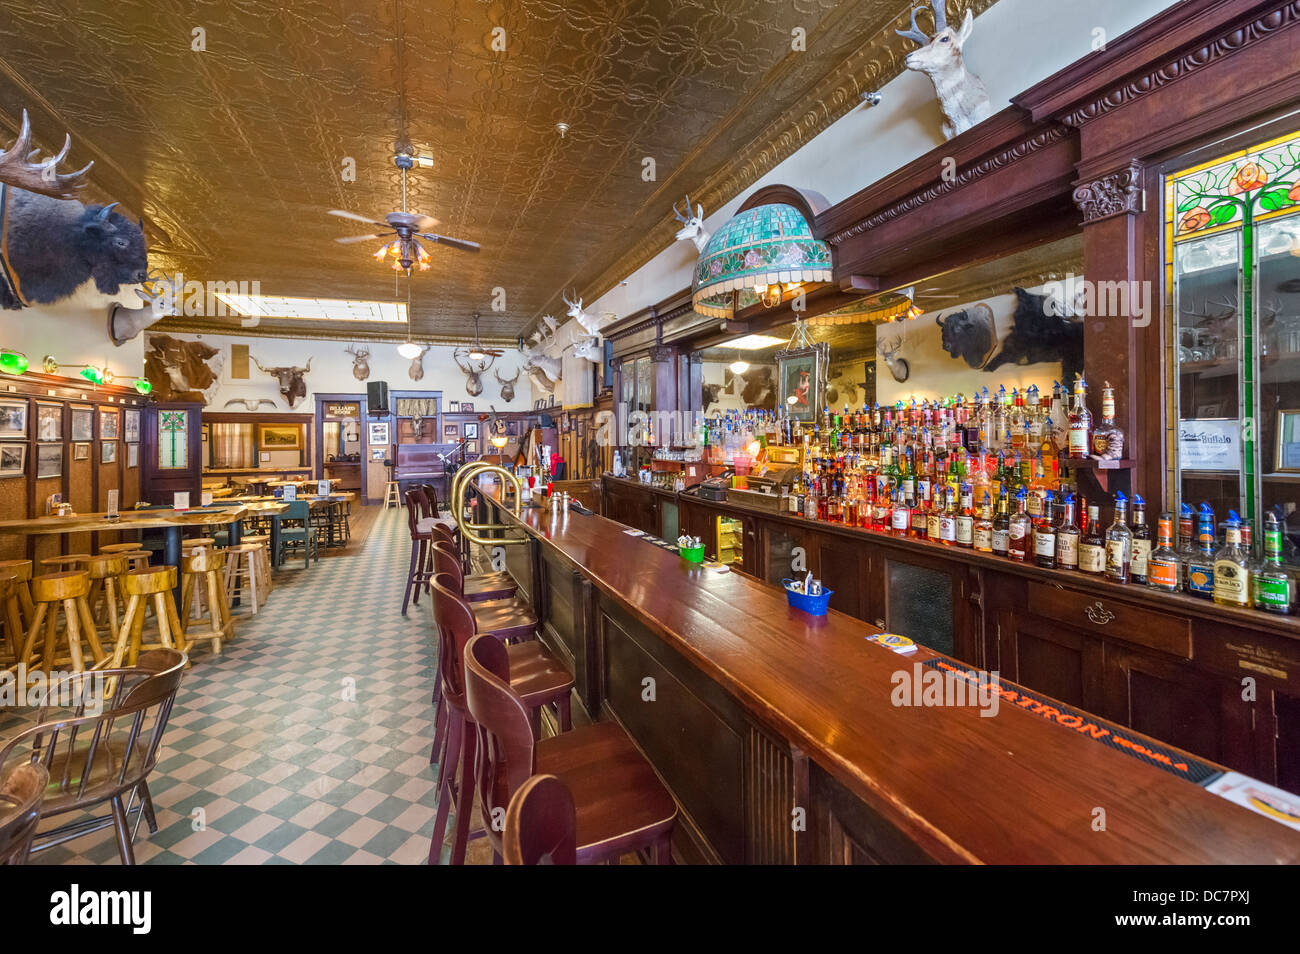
(1273,587)
(1108,439)
(966,519)
(1119,543)
(1163,565)
(1002,529)
(1021,527)
(1067,538)
(1231,572)
(1080,421)
(948,519)
(901,519)
(1045,535)
(1186,545)
(982,532)
(1092,545)
(1141,541)
(1200,562)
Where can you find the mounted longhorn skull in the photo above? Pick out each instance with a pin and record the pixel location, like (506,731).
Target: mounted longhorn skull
(473,370)
(360,361)
(507,384)
(416,371)
(962,95)
(692,224)
(293,386)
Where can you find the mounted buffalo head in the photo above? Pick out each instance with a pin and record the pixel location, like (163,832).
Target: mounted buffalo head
(293,386)
(507,384)
(473,370)
(360,361)
(710,397)
(969,334)
(760,388)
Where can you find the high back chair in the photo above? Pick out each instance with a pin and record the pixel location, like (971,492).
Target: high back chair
(620,804)
(299,510)
(21,792)
(476,587)
(540,827)
(417,575)
(98,757)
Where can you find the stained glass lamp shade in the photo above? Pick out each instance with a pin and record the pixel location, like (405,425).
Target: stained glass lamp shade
(766,245)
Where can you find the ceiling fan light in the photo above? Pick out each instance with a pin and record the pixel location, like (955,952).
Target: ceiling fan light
(738,366)
(476,355)
(408,349)
(379,255)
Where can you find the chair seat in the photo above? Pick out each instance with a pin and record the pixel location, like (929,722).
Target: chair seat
(505,619)
(620,801)
(489,586)
(535,675)
(104,774)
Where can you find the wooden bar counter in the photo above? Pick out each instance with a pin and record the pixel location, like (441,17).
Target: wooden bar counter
(760,718)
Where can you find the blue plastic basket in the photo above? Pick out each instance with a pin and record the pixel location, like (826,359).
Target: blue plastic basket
(812,605)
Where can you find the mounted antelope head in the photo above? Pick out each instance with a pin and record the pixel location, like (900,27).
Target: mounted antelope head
(473,370)
(293,384)
(962,95)
(888,350)
(589,322)
(360,361)
(416,371)
(588,348)
(507,384)
(692,224)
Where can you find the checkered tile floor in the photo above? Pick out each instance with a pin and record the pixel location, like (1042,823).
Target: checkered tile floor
(264,744)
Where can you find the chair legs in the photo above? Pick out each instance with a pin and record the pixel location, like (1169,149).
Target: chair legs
(123,831)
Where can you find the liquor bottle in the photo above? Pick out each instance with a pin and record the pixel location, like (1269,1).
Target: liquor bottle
(920,516)
(1080,421)
(982,532)
(1274,588)
(1163,568)
(1119,543)
(1067,538)
(1045,535)
(966,519)
(1186,543)
(1200,562)
(1020,529)
(901,515)
(1002,529)
(1141,541)
(948,519)
(1231,572)
(1092,545)
(881,513)
(934,514)
(1108,439)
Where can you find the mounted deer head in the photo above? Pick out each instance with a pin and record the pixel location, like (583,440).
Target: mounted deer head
(473,370)
(293,384)
(588,348)
(18,168)
(692,224)
(888,350)
(589,322)
(360,362)
(544,371)
(507,384)
(416,371)
(962,95)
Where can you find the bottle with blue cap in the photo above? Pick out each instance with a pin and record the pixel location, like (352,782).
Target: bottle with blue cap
(1067,537)
(1231,572)
(1119,543)
(1200,562)
(1141,541)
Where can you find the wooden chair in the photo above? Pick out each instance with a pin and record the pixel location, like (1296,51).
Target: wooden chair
(296,536)
(120,547)
(539,679)
(418,574)
(476,587)
(21,792)
(202,573)
(620,803)
(92,759)
(541,824)
(51,593)
(136,559)
(155,585)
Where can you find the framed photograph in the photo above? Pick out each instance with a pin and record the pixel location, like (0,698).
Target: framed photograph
(451,432)
(49,460)
(279,436)
(83,423)
(13,460)
(108,452)
(466,407)
(205,431)
(81,451)
(49,422)
(132,455)
(131,426)
(378,454)
(1287,458)
(801,376)
(13,419)
(108,425)
(471,430)
(453,407)
(378,432)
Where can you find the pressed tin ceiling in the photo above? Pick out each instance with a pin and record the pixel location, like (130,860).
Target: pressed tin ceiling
(234,153)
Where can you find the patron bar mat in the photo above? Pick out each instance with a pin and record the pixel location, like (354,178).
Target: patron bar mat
(1089,726)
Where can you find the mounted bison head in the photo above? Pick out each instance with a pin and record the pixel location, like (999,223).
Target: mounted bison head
(180,370)
(1041,335)
(710,397)
(760,388)
(969,334)
(57,246)
(293,386)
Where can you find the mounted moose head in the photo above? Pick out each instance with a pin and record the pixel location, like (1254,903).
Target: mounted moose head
(416,371)
(692,225)
(293,386)
(962,95)
(360,362)
(18,168)
(507,384)
(473,370)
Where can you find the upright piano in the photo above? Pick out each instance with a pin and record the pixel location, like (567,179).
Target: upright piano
(427,464)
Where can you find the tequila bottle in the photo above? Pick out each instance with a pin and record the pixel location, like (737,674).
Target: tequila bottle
(1231,569)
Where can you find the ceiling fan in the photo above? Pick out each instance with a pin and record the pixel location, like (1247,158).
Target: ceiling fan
(476,351)
(405,228)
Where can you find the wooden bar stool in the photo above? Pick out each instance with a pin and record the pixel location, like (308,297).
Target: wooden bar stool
(193,542)
(67,561)
(202,570)
(120,547)
(243,573)
(541,824)
(476,587)
(417,576)
(21,570)
(392,495)
(263,559)
(52,592)
(105,572)
(538,678)
(15,634)
(143,587)
(620,804)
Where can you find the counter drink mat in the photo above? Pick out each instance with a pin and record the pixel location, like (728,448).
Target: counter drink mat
(1069,719)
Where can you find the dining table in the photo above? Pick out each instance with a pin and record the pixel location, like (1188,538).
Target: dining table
(276,506)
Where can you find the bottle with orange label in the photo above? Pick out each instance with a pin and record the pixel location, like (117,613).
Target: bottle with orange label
(1164,569)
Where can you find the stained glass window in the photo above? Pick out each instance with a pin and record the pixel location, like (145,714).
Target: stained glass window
(173,440)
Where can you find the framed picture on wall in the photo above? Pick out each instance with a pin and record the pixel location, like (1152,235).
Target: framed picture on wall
(279,436)
(13,460)
(801,376)
(378,454)
(132,455)
(108,425)
(466,407)
(205,431)
(49,460)
(108,452)
(471,430)
(49,422)
(131,426)
(453,407)
(378,432)
(13,419)
(451,432)
(81,451)
(83,423)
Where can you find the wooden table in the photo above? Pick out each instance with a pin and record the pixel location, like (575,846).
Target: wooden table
(278,505)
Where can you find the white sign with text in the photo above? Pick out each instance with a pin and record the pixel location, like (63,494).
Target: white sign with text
(1210,445)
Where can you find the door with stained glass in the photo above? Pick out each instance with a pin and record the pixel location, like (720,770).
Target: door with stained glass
(171,453)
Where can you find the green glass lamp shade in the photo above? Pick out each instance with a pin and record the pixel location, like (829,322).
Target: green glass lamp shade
(92,374)
(13,362)
(143,386)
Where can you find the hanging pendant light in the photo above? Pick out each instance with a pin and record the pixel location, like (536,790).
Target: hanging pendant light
(408,348)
